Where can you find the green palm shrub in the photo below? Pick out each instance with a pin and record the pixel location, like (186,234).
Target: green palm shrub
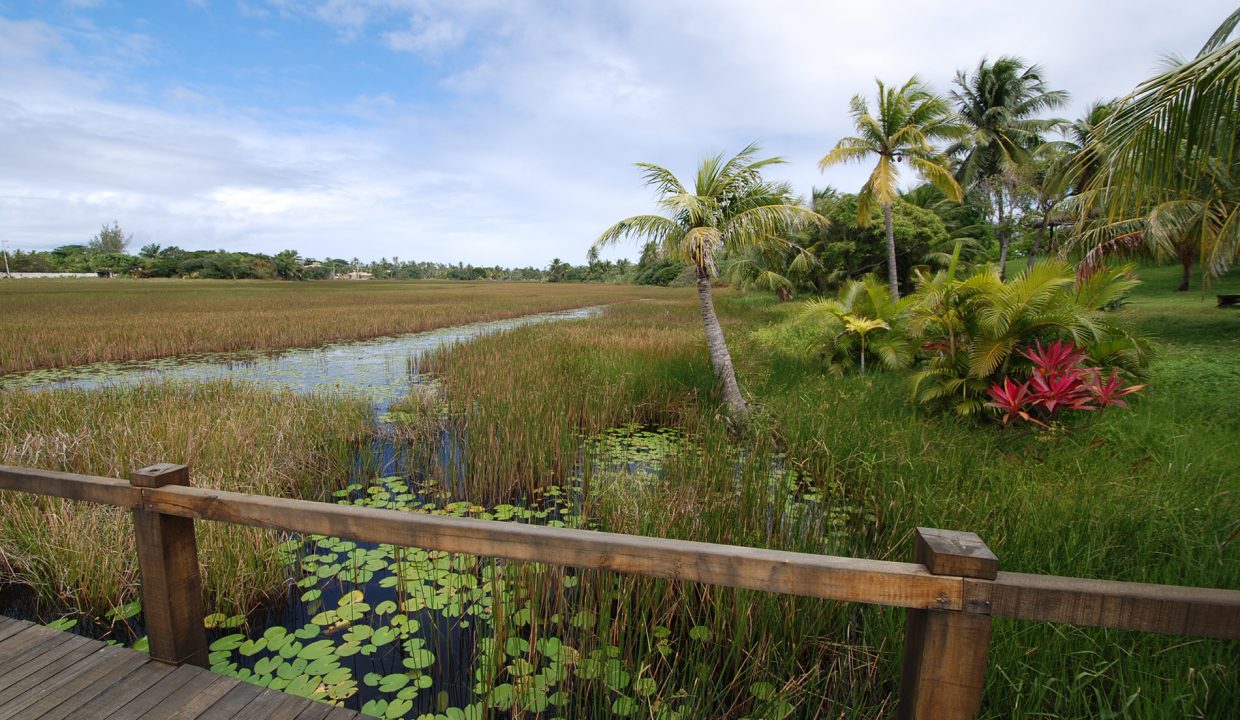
(861,326)
(970,330)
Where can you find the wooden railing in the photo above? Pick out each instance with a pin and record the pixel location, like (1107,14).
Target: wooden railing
(952,590)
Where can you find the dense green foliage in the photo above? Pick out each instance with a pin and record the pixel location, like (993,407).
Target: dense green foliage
(851,250)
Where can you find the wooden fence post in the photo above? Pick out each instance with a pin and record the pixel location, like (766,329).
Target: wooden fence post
(946,651)
(171,583)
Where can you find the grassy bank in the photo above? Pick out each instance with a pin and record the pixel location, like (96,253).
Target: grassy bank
(234,437)
(1147,495)
(65,322)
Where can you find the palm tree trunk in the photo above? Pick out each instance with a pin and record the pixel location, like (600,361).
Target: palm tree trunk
(720,359)
(1003,237)
(893,275)
(1186,267)
(1037,240)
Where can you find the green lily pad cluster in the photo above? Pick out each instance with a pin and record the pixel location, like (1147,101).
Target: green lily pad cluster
(374,610)
(636,448)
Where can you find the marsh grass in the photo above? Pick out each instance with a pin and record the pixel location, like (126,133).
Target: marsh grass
(64,323)
(1147,495)
(80,556)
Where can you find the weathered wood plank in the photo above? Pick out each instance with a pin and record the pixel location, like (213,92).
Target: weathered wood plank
(117,695)
(46,665)
(822,576)
(152,696)
(11,628)
(208,696)
(27,645)
(172,704)
(1170,609)
(171,583)
(272,705)
(69,691)
(946,652)
(233,701)
(316,711)
(106,491)
(103,661)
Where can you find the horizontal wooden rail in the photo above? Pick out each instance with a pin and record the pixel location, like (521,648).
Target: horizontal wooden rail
(952,591)
(1169,609)
(822,576)
(104,491)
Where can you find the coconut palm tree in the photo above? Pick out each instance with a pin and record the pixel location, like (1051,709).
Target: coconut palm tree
(1170,157)
(1000,103)
(909,119)
(730,208)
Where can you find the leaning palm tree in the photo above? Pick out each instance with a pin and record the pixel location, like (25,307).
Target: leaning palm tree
(1170,157)
(1001,103)
(730,208)
(909,119)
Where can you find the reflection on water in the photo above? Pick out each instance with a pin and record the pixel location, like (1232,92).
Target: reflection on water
(381,369)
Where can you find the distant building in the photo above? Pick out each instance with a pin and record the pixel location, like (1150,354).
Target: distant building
(21,275)
(358,275)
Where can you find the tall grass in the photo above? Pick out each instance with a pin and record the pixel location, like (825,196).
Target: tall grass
(64,322)
(234,437)
(1147,495)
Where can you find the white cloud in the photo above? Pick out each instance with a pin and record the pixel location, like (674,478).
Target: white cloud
(549,105)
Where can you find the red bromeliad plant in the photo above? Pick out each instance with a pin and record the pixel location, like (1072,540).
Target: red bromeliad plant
(1060,381)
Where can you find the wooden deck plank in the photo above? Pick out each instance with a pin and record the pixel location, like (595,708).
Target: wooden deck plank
(47,674)
(170,705)
(232,702)
(38,657)
(26,646)
(67,699)
(271,705)
(317,711)
(106,661)
(208,696)
(47,667)
(116,694)
(157,693)
(9,626)
(12,661)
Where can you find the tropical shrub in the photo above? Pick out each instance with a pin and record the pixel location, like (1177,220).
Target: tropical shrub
(1061,380)
(861,326)
(970,331)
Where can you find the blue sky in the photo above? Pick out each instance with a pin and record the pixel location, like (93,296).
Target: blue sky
(474,130)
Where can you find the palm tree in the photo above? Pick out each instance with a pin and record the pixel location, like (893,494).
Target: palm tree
(909,118)
(1000,103)
(1170,157)
(730,208)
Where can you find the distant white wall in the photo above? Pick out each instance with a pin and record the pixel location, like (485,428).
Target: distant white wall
(19,276)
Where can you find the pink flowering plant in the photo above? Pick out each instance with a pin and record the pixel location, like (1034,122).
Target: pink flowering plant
(1061,381)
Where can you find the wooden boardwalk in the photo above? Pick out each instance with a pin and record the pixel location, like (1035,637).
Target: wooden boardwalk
(48,674)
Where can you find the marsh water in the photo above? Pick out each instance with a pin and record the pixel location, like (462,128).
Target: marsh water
(393,631)
(405,632)
(381,369)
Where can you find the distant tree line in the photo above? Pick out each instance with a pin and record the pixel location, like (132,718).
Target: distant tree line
(106,255)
